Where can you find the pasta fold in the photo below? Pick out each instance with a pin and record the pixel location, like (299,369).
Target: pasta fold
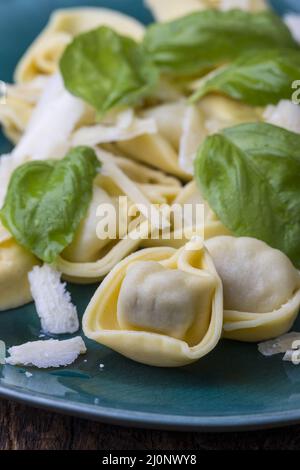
(261,288)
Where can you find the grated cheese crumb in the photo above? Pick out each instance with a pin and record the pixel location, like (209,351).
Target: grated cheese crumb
(53,303)
(48,353)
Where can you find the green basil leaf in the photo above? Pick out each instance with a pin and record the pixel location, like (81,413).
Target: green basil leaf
(107,70)
(203,40)
(249,174)
(257,79)
(46,201)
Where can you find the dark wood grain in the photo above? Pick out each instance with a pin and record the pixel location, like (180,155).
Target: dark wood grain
(24,428)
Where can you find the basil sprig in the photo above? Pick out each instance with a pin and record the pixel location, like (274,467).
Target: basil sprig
(46,201)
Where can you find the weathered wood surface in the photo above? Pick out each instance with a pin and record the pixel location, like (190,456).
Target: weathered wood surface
(23,428)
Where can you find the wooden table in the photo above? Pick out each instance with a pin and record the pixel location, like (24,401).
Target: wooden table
(27,428)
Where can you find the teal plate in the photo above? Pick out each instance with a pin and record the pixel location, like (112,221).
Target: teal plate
(232,388)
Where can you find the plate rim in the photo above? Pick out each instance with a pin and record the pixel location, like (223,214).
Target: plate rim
(155,421)
(152,420)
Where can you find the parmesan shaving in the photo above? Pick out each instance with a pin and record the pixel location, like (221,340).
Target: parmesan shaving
(2,352)
(53,303)
(285,114)
(126,127)
(109,168)
(231,4)
(49,353)
(279,345)
(48,131)
(292,21)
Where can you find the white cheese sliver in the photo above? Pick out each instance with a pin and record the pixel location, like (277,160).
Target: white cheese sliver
(292,20)
(230,4)
(53,303)
(285,114)
(279,345)
(48,131)
(126,127)
(49,353)
(8,163)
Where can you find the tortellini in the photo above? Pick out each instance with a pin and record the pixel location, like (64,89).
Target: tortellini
(159,306)
(43,56)
(15,264)
(261,288)
(171,9)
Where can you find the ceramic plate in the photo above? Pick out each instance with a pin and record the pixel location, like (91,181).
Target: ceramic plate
(233,387)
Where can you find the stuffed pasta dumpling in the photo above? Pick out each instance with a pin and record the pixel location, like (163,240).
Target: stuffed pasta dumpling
(159,306)
(261,288)
(15,264)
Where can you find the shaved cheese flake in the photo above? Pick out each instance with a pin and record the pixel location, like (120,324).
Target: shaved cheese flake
(49,353)
(193,133)
(292,21)
(53,303)
(109,168)
(8,164)
(126,127)
(2,352)
(285,114)
(279,345)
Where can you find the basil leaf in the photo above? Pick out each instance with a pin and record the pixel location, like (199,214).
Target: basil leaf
(257,79)
(249,174)
(46,201)
(107,70)
(203,40)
